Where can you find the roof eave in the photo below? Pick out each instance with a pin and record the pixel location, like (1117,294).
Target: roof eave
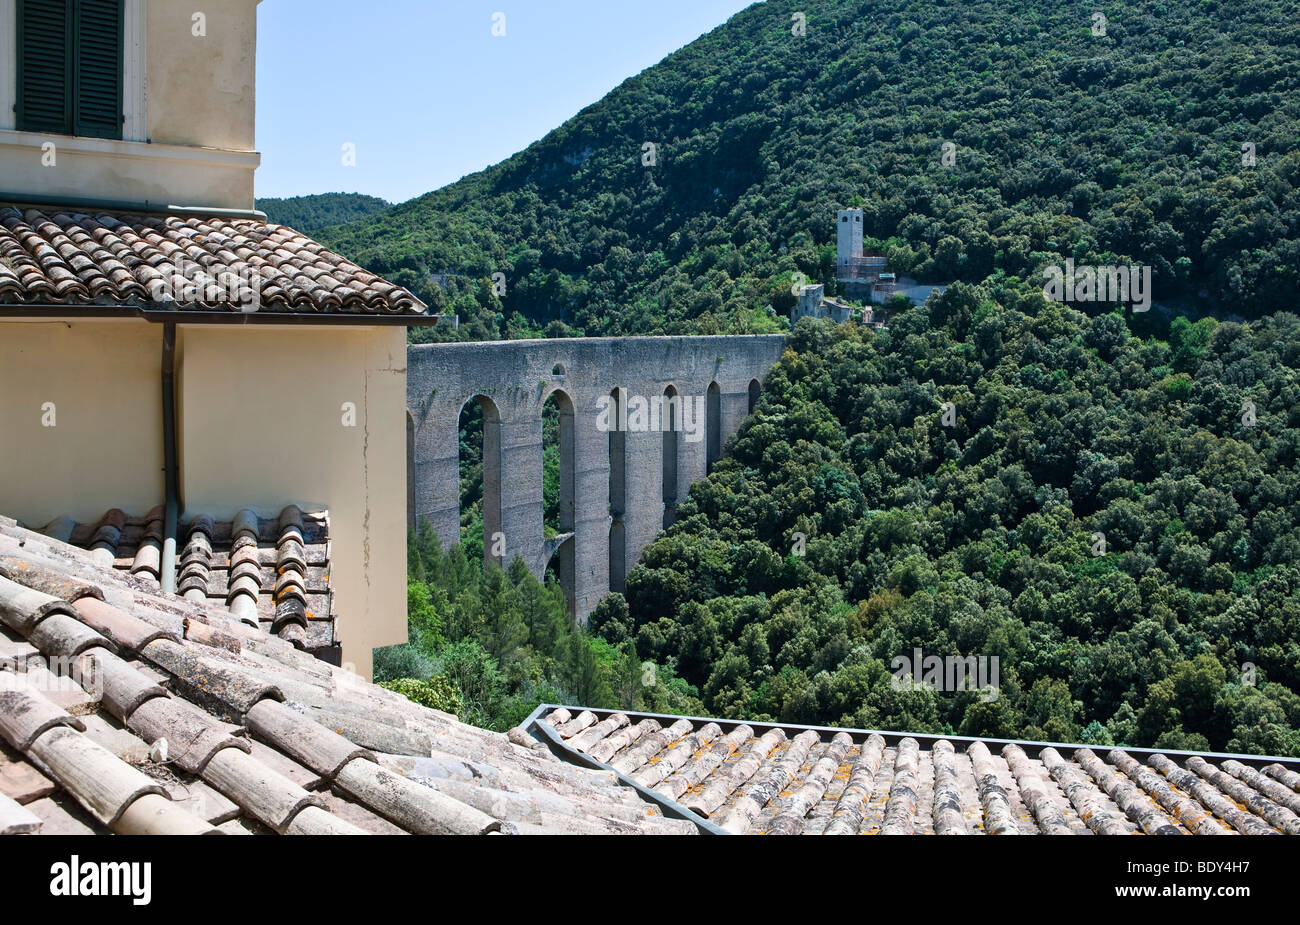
(176,315)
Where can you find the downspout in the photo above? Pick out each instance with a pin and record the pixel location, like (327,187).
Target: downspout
(171,513)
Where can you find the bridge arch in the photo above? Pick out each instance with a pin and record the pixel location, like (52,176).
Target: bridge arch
(480,413)
(617,448)
(563,440)
(559,495)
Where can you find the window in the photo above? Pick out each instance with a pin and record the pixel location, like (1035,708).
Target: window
(70,67)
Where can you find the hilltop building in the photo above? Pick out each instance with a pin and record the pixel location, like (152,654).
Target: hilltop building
(868,277)
(212,402)
(813,303)
(857,273)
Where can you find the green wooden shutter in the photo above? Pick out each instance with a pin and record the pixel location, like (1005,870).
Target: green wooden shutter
(70,67)
(97,87)
(44,66)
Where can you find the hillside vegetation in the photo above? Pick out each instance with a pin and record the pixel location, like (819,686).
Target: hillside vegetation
(1110,513)
(1103,517)
(1108,148)
(312,213)
(490,645)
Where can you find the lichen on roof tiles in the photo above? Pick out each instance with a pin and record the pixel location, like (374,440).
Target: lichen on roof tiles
(774,779)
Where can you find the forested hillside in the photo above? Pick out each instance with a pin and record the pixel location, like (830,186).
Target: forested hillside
(1126,146)
(490,645)
(1180,629)
(312,213)
(1112,511)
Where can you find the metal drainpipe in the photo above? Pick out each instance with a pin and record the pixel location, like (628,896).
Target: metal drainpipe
(167,569)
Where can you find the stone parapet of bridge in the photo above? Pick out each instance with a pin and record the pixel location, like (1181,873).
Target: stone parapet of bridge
(617,490)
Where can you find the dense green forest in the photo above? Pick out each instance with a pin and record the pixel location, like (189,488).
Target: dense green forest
(490,645)
(1180,630)
(312,213)
(1126,146)
(1178,449)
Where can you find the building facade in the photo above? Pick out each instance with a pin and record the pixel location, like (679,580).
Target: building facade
(161,344)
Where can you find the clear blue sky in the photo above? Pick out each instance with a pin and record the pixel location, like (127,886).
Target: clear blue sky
(427,94)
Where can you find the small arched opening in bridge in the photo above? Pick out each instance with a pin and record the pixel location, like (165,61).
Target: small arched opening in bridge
(669,423)
(755,390)
(617,490)
(713,425)
(410,472)
(479,468)
(558,490)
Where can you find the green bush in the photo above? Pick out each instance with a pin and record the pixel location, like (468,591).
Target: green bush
(438,693)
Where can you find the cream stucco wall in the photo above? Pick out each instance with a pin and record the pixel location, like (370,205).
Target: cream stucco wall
(201,89)
(105,448)
(262,425)
(190,106)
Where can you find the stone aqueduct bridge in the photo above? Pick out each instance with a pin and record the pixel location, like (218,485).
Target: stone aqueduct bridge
(617,489)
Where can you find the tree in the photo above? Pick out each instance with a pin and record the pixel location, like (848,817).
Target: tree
(589,684)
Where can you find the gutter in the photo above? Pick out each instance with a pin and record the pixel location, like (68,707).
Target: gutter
(118,205)
(82,311)
(171,503)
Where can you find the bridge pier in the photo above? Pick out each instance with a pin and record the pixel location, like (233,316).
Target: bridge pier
(437,465)
(612,496)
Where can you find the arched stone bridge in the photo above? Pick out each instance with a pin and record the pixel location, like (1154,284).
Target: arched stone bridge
(618,488)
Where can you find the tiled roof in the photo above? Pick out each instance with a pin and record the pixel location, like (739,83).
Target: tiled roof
(272,573)
(67,257)
(127,710)
(763,778)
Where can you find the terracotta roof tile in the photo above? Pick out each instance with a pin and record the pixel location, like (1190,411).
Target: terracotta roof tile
(124,687)
(272,572)
(203,800)
(15,820)
(19,781)
(193,737)
(156,751)
(52,255)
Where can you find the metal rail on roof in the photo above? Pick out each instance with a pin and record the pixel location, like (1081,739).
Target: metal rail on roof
(545,734)
(1031,748)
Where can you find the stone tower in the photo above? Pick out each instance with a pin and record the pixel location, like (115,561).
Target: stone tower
(849,236)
